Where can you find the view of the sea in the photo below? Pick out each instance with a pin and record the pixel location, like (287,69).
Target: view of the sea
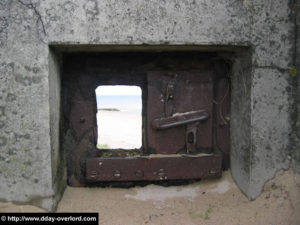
(124,103)
(119,128)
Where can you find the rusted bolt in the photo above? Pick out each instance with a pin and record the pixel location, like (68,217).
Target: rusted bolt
(93,174)
(117,173)
(212,171)
(161,172)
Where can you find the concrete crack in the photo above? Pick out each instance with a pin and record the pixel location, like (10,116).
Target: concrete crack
(33,7)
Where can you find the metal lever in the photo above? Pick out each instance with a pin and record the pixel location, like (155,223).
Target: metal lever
(179,119)
(190,119)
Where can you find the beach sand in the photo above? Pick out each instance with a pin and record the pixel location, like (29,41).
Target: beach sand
(119,129)
(208,202)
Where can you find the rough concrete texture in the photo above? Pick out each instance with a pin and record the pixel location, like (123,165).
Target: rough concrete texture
(240,122)
(270,126)
(30,160)
(296,149)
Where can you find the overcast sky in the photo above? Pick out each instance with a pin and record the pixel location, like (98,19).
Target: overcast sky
(105,90)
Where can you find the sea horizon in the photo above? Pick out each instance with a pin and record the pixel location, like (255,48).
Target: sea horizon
(123,103)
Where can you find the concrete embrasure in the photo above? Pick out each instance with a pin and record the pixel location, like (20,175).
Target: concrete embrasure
(263,102)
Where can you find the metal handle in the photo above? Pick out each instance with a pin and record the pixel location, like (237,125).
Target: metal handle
(179,119)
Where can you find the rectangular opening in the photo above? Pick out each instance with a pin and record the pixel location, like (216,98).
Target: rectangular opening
(182,99)
(119,117)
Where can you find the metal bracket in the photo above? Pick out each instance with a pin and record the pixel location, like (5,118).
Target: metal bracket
(153,168)
(170,98)
(191,135)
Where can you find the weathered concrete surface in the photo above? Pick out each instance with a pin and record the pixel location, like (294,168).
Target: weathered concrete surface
(240,123)
(296,150)
(31,163)
(270,126)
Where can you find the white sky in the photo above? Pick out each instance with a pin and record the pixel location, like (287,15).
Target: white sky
(118,90)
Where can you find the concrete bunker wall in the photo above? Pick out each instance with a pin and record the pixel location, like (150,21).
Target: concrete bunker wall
(263,108)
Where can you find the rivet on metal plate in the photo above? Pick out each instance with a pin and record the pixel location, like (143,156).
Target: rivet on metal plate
(117,173)
(212,171)
(93,174)
(161,172)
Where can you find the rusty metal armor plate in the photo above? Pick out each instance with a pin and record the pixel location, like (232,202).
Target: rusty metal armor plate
(175,94)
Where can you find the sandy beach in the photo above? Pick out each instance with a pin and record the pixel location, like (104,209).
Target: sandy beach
(119,129)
